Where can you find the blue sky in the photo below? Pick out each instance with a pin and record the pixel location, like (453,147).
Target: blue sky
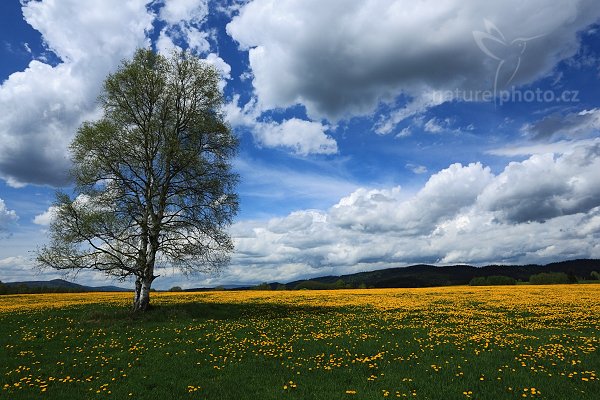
(373,134)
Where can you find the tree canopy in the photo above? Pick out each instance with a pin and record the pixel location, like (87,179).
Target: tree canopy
(153,183)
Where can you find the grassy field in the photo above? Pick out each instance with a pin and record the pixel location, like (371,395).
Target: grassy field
(439,343)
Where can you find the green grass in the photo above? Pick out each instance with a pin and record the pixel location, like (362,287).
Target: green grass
(253,350)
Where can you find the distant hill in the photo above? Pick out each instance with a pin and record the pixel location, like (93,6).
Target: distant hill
(55,285)
(414,276)
(429,275)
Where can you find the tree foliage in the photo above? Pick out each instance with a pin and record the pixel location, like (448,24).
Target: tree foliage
(493,280)
(550,278)
(153,180)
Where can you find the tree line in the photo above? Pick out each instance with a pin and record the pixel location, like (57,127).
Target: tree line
(543,278)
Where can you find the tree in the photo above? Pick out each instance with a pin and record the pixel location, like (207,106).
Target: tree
(493,280)
(262,286)
(153,185)
(478,281)
(549,278)
(339,284)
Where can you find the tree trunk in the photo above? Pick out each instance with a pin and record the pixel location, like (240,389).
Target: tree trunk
(138,289)
(142,297)
(143,282)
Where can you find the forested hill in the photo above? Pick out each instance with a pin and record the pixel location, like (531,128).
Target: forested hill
(428,275)
(403,277)
(53,286)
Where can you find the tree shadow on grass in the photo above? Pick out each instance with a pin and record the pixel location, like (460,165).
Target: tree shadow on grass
(199,311)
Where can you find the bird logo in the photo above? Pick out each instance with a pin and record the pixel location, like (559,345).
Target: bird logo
(508,54)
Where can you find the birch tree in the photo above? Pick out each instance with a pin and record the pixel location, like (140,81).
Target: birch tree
(153,183)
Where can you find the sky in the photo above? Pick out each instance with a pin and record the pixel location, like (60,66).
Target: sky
(373,134)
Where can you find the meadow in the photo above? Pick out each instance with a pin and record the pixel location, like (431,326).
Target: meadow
(510,342)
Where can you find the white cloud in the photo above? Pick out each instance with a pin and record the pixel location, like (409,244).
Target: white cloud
(405,132)
(182,35)
(17,262)
(413,108)
(220,64)
(164,44)
(571,125)
(444,195)
(176,11)
(299,136)
(347,58)
(43,105)
(183,19)
(46,217)
(237,116)
(75,31)
(546,186)
(433,126)
(302,137)
(21,268)
(463,214)
(15,268)
(544,208)
(417,169)
(7,216)
(561,146)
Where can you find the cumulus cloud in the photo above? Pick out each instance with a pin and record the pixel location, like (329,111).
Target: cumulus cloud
(44,104)
(165,44)
(15,268)
(183,19)
(176,11)
(543,208)
(299,136)
(46,217)
(347,58)
(7,216)
(546,186)
(444,195)
(220,64)
(302,137)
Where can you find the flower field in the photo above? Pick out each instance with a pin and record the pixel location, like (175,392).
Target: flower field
(435,343)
